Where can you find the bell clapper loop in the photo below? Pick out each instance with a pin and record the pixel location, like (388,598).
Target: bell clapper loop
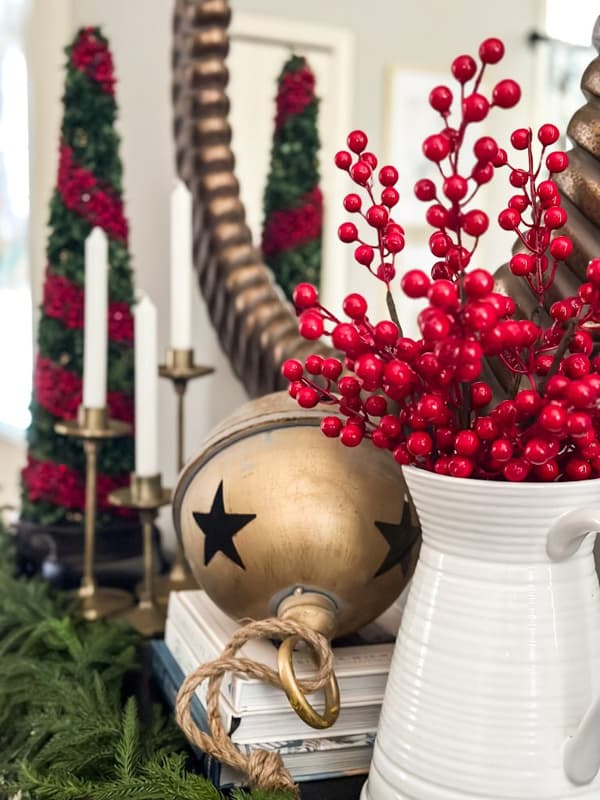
(296,696)
(316,611)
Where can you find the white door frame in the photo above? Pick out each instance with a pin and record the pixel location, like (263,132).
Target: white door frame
(338,43)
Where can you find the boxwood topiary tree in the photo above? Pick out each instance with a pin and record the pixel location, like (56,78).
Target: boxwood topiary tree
(88,193)
(293,202)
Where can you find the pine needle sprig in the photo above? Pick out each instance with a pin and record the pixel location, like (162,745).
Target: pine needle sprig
(127,750)
(67,730)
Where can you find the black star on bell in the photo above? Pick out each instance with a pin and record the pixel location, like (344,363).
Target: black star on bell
(219,528)
(400,537)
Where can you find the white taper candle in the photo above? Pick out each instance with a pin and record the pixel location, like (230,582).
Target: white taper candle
(146,388)
(181,267)
(95,331)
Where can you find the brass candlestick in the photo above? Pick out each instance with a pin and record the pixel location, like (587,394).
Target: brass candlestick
(180,369)
(94,427)
(146,495)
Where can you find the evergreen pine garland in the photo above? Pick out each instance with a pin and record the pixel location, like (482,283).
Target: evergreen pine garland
(88,193)
(293,203)
(65,732)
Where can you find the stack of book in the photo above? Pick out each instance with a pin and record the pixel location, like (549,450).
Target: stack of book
(258,715)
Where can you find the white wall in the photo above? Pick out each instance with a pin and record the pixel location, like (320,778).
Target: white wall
(47,33)
(47,28)
(424,35)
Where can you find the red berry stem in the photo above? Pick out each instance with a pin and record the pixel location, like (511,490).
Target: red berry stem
(326,314)
(391,305)
(479,77)
(560,352)
(551,278)
(538,287)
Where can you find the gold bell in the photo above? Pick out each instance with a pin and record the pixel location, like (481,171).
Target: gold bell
(275,518)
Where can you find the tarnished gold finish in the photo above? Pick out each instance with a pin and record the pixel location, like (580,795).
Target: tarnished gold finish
(179,368)
(295,695)
(143,493)
(317,612)
(309,608)
(146,495)
(316,505)
(93,423)
(93,426)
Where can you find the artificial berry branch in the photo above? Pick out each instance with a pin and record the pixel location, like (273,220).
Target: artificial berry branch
(426,399)
(541,256)
(391,306)
(562,348)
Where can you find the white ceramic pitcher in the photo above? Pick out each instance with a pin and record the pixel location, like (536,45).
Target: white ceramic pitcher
(494,688)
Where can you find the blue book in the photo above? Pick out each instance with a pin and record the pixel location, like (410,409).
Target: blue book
(169,678)
(307,759)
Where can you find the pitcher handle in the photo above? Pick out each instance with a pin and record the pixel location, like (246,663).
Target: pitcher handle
(581,755)
(568,532)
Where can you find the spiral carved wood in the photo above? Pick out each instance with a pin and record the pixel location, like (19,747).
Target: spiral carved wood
(256,326)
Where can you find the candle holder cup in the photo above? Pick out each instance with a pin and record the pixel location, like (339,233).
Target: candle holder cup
(145,494)
(179,368)
(93,427)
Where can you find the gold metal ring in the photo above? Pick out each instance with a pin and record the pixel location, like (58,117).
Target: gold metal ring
(297,697)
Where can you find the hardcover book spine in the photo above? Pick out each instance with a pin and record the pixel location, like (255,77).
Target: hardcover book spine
(188,663)
(203,646)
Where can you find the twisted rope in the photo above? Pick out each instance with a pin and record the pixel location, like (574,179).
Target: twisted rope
(264,768)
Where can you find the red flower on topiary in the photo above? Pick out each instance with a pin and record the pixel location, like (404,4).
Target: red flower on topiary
(427,399)
(293,227)
(63,300)
(48,481)
(81,192)
(90,55)
(59,391)
(296,91)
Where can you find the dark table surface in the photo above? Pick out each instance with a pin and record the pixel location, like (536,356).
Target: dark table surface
(338,789)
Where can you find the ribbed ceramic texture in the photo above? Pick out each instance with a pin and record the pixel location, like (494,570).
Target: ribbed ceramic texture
(498,656)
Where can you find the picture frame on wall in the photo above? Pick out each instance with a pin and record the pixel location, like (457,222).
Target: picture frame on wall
(409,120)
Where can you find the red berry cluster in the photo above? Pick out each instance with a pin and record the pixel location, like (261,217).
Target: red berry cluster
(427,399)
(390,235)
(447,212)
(539,200)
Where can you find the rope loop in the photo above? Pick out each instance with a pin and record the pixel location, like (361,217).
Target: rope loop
(264,768)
